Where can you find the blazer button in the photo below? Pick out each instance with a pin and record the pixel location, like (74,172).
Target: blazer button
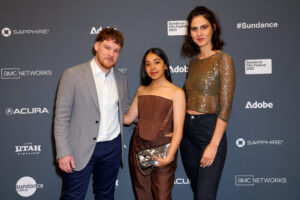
(97,122)
(94,138)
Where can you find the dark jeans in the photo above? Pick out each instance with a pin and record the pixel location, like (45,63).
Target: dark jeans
(198,131)
(104,165)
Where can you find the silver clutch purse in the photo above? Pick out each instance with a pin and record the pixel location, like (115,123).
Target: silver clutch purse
(144,157)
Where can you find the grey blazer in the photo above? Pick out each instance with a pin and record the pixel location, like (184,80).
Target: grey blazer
(76,121)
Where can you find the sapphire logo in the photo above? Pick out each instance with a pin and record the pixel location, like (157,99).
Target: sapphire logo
(240,142)
(6,32)
(27,186)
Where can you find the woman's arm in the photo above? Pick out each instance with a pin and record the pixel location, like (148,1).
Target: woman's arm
(227,84)
(178,122)
(132,113)
(210,151)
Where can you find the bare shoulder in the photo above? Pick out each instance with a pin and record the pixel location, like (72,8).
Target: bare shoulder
(177,92)
(140,90)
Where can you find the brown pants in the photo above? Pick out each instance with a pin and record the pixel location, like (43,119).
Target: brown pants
(156,186)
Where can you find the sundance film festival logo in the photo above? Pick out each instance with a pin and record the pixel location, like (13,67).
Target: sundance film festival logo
(27,186)
(259,105)
(95,31)
(178,69)
(26,111)
(251,180)
(28,149)
(258,66)
(241,142)
(177,27)
(257,25)
(7,32)
(17,73)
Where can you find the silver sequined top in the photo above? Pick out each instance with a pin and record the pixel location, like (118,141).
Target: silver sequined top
(210,83)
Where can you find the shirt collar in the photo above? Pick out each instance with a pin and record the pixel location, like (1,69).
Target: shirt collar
(97,71)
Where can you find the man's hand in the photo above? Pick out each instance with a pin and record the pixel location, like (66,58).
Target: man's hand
(66,164)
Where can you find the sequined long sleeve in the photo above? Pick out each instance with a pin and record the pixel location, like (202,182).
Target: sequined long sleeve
(210,83)
(227,85)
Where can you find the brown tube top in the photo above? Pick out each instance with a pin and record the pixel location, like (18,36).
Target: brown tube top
(155,115)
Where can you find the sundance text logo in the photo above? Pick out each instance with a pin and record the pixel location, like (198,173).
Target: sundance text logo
(27,186)
(258,25)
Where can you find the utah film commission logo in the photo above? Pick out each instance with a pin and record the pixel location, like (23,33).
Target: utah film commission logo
(27,186)
(28,149)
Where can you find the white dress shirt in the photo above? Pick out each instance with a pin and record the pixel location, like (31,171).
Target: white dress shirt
(108,103)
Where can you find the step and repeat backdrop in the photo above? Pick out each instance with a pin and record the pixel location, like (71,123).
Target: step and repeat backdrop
(40,39)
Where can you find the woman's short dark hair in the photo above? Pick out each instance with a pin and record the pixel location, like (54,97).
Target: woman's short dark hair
(109,34)
(145,79)
(189,48)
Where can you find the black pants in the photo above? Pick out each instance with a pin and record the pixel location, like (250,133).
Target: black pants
(198,131)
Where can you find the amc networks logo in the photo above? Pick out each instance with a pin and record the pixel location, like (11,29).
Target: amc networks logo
(10,73)
(251,180)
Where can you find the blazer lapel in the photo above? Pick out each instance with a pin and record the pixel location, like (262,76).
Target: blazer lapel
(89,78)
